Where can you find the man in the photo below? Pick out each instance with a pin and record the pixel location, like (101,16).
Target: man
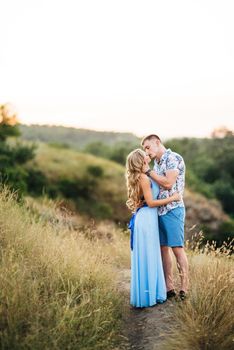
(169,173)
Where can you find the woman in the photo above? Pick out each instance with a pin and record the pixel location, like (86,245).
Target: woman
(147,278)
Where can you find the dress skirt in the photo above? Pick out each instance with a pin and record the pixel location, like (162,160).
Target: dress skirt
(147,278)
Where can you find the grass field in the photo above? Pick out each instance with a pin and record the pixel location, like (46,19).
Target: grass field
(56,284)
(206,319)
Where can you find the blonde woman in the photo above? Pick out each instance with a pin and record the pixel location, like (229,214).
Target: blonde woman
(147,278)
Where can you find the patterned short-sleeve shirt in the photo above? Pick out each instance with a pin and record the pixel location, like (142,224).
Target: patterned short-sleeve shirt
(171,161)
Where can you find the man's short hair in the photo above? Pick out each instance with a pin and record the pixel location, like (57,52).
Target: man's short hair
(150,137)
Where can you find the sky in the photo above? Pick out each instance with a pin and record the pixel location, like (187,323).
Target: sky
(164,67)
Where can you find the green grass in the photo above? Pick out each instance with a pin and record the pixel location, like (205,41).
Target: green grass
(107,196)
(50,159)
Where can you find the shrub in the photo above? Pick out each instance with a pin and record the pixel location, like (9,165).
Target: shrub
(225,193)
(75,188)
(95,170)
(36,181)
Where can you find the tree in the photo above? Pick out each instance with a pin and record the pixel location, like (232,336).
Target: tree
(12,157)
(8,122)
(222,132)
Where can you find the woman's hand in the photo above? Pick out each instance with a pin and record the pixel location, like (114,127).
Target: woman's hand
(176,197)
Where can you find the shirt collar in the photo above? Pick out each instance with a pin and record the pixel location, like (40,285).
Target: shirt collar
(164,156)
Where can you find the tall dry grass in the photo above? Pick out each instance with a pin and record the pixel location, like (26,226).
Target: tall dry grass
(57,289)
(205,321)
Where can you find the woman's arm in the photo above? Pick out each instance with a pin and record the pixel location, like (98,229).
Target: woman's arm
(145,185)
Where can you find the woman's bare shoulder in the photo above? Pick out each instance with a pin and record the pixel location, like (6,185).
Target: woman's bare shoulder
(144,178)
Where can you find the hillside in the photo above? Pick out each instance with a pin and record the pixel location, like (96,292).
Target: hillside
(75,138)
(96,187)
(209,161)
(90,185)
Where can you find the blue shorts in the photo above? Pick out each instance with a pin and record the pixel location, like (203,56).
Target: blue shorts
(171,228)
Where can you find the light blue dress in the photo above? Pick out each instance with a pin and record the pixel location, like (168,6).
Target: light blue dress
(147,278)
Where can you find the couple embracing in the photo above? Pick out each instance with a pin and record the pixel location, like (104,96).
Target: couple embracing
(157,223)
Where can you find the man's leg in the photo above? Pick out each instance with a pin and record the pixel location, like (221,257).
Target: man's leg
(167,266)
(182,264)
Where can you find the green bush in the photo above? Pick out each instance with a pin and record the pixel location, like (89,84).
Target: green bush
(16,178)
(225,193)
(226,230)
(36,181)
(74,188)
(102,210)
(21,153)
(98,149)
(95,170)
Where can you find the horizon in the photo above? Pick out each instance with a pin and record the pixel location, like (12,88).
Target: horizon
(125,132)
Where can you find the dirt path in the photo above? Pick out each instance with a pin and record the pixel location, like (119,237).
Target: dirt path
(145,328)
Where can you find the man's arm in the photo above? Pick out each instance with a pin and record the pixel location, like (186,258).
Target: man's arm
(145,185)
(166,181)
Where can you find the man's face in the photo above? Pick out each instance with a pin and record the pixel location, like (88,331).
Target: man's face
(151,148)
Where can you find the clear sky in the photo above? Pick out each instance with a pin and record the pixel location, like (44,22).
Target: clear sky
(160,66)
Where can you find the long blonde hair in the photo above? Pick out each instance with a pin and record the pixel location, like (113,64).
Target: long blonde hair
(134,165)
